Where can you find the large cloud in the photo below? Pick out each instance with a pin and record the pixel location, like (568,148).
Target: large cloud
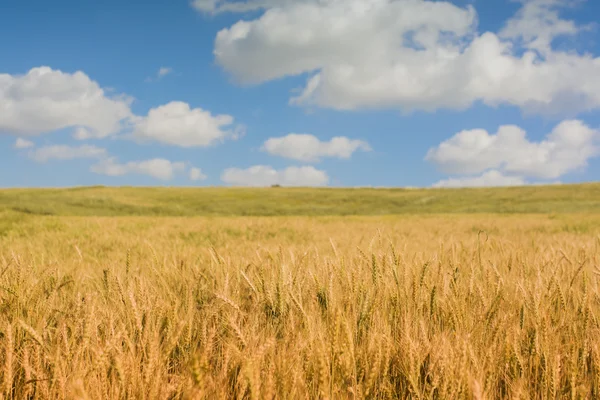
(263,175)
(409,54)
(567,148)
(177,124)
(308,148)
(46,100)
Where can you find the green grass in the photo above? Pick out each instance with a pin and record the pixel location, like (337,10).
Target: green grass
(129,201)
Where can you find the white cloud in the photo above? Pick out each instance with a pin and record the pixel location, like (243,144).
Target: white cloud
(177,124)
(196,174)
(408,54)
(46,100)
(488,179)
(567,148)
(308,148)
(538,23)
(21,143)
(64,152)
(263,175)
(158,168)
(220,6)
(163,71)
(205,5)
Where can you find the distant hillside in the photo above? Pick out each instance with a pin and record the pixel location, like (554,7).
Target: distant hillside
(104,201)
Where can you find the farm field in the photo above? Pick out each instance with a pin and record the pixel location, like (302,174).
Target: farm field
(300,293)
(142,201)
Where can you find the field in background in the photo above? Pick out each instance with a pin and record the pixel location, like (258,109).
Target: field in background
(101,201)
(431,305)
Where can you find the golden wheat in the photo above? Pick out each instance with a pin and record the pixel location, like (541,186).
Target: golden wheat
(423,307)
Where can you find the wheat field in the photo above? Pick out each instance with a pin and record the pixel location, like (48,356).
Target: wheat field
(465,306)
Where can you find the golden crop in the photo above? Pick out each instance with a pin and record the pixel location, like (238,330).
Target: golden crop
(422,307)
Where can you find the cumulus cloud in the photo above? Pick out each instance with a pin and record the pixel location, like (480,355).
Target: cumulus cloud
(263,175)
(64,152)
(196,174)
(567,148)
(158,168)
(538,23)
(177,124)
(488,179)
(21,143)
(45,100)
(409,55)
(308,148)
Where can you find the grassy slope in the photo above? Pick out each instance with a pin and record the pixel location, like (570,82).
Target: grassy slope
(101,201)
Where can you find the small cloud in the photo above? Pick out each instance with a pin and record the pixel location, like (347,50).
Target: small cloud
(163,71)
(308,148)
(196,174)
(158,168)
(265,175)
(82,133)
(224,6)
(63,152)
(489,179)
(567,148)
(177,124)
(23,144)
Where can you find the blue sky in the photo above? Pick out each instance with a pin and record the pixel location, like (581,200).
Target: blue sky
(304,92)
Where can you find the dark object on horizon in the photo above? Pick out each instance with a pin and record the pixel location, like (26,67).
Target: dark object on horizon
(276,185)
